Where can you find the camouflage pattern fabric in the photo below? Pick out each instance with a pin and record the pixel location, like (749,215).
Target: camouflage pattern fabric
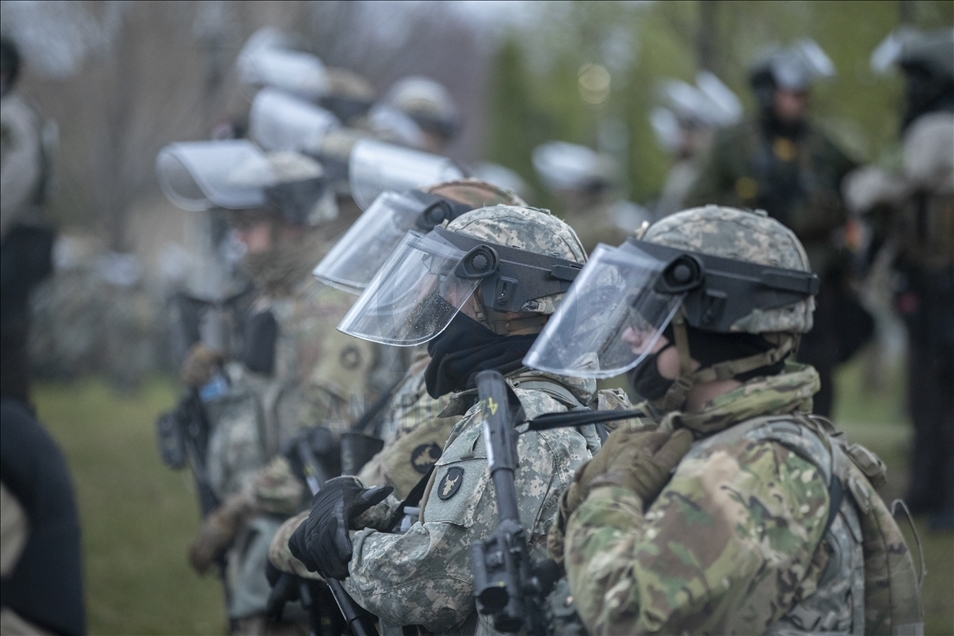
(524,228)
(745,170)
(743,236)
(725,548)
(476,193)
(424,576)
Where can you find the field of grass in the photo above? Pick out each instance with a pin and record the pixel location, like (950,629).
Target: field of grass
(138,516)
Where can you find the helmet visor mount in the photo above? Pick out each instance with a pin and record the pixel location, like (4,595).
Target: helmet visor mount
(626,297)
(356,256)
(428,278)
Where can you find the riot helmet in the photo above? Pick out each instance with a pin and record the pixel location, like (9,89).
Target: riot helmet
(795,68)
(564,166)
(737,281)
(238,175)
(511,264)
(428,103)
(356,256)
(927,60)
(689,112)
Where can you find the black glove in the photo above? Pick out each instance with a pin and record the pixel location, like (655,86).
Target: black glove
(322,543)
(284,590)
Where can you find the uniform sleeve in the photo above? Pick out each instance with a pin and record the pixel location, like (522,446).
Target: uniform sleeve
(721,550)
(424,576)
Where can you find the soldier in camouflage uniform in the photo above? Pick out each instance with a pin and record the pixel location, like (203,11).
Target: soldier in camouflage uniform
(423,577)
(782,163)
(912,209)
(729,510)
(294,369)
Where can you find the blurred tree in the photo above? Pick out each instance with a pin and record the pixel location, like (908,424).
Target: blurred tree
(677,39)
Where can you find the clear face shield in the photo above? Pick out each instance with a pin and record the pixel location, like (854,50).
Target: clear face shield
(357,256)
(374,167)
(612,317)
(414,296)
(279,121)
(201,175)
(429,277)
(268,64)
(626,296)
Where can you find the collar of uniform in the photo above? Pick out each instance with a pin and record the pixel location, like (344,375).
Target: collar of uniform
(582,389)
(788,392)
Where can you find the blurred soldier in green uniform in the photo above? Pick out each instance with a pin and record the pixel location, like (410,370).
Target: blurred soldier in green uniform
(685,124)
(730,510)
(911,204)
(26,242)
(781,163)
(293,370)
(584,185)
(423,577)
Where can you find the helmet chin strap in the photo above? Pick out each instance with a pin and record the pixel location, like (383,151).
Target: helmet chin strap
(675,398)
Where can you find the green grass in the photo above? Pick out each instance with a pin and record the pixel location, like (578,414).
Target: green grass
(137,516)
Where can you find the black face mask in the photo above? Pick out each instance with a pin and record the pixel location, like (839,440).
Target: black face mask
(466,347)
(709,349)
(646,380)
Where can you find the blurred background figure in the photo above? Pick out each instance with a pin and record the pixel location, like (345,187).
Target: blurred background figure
(430,106)
(39,535)
(584,185)
(911,207)
(685,125)
(779,161)
(26,238)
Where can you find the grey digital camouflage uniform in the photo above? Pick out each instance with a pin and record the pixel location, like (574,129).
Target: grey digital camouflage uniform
(424,576)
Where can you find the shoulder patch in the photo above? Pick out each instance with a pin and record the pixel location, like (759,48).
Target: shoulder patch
(425,456)
(451,482)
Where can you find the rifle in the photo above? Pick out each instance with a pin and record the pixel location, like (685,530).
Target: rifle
(355,616)
(183,437)
(509,586)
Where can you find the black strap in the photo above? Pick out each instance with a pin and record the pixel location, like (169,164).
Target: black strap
(836,492)
(413,498)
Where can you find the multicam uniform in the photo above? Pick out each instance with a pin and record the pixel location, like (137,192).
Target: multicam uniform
(769,522)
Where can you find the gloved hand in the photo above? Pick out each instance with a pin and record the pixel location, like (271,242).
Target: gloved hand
(618,442)
(645,465)
(200,365)
(285,589)
(217,533)
(322,543)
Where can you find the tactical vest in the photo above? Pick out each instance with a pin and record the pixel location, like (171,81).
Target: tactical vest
(868,583)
